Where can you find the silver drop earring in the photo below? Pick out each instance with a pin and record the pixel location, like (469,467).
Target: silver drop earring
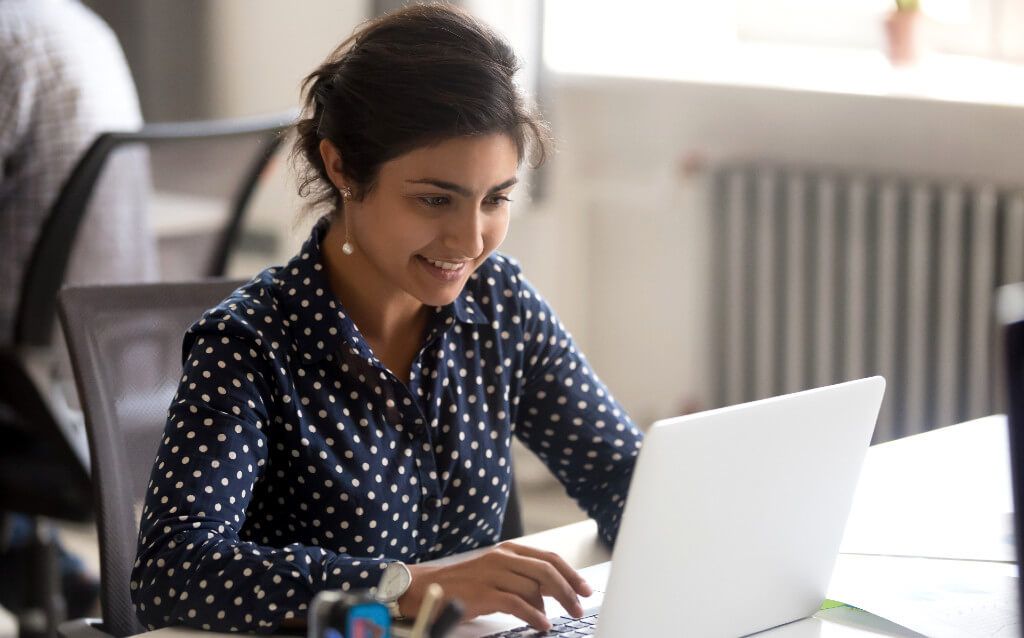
(347,247)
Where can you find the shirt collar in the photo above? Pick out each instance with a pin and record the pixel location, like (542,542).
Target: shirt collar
(465,308)
(319,325)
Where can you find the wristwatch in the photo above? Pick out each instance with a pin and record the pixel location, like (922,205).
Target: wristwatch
(394,582)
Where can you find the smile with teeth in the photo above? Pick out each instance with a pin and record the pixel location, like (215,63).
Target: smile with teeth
(445,265)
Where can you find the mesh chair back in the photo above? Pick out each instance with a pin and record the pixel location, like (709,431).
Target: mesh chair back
(190,183)
(125,344)
(194,198)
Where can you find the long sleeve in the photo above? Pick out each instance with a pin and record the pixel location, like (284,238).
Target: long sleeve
(570,420)
(196,566)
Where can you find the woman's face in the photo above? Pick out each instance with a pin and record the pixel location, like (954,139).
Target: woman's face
(434,215)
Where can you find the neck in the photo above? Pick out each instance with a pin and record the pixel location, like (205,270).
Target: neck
(382,312)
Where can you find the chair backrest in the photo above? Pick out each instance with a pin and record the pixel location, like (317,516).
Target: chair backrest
(125,345)
(209,168)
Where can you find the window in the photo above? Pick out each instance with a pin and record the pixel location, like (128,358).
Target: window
(581,34)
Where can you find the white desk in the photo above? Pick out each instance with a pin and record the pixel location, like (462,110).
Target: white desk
(940,495)
(931,532)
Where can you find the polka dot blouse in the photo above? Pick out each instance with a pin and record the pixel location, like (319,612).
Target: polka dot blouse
(293,460)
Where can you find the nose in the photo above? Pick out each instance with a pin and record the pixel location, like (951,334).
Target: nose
(465,234)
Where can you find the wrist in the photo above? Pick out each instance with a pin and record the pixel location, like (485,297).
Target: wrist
(409,602)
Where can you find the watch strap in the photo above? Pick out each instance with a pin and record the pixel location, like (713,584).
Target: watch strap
(396,612)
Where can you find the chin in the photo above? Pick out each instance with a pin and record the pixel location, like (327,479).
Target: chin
(435,292)
(438,298)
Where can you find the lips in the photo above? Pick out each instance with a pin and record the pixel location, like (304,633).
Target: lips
(443,269)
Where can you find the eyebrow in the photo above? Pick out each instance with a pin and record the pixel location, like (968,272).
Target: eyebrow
(462,190)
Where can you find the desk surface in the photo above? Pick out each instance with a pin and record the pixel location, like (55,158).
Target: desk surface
(909,493)
(943,494)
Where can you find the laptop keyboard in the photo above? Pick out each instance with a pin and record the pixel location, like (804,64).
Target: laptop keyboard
(563,627)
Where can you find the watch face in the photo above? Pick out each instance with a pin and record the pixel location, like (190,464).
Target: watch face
(393,582)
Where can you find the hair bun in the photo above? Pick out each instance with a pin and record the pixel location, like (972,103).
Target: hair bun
(421,74)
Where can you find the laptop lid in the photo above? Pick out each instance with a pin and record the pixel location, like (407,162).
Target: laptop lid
(1010,308)
(734,516)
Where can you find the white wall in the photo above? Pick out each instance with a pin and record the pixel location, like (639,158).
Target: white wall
(262,52)
(264,48)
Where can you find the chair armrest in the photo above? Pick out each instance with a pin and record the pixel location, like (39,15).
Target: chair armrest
(82,628)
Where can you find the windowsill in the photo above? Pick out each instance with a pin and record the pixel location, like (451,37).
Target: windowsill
(938,77)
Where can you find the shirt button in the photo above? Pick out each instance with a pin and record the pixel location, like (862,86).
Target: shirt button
(180,537)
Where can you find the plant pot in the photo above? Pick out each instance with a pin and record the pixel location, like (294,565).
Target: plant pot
(905,36)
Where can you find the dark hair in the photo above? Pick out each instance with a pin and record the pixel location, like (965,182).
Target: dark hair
(408,79)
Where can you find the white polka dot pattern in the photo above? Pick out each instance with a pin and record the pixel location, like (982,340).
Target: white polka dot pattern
(294,461)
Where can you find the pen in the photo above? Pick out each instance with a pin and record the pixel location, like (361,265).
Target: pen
(430,600)
(450,614)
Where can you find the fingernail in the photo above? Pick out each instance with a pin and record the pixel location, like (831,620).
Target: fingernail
(586,589)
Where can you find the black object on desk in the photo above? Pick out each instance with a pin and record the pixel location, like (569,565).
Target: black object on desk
(447,618)
(1011,311)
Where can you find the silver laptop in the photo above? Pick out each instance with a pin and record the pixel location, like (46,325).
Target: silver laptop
(733,520)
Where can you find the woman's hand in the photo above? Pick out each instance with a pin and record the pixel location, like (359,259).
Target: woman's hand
(507,578)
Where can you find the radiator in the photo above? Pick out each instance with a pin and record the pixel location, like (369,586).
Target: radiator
(821,276)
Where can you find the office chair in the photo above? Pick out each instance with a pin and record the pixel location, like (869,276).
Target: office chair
(44,460)
(196,161)
(125,344)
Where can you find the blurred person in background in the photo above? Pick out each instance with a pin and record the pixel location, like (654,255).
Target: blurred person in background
(63,81)
(350,415)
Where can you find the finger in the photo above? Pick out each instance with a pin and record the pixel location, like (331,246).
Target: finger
(551,581)
(512,604)
(526,588)
(537,601)
(577,582)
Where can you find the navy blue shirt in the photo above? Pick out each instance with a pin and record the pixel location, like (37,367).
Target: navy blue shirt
(293,460)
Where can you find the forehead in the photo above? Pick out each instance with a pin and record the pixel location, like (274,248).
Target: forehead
(462,160)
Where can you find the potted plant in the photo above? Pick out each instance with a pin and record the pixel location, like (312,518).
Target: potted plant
(903,29)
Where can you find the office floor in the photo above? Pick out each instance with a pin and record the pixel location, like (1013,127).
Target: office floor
(545,505)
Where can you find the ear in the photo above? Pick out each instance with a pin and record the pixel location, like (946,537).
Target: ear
(332,163)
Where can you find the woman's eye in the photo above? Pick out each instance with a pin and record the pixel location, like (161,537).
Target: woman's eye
(497,200)
(434,201)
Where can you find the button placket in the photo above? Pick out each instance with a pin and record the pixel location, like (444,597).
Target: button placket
(430,481)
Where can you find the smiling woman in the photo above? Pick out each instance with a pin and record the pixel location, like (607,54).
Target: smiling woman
(348,416)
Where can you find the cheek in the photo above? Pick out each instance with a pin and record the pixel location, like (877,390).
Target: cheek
(410,238)
(496,230)
(397,233)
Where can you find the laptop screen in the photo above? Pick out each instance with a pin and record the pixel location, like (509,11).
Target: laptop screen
(1011,311)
